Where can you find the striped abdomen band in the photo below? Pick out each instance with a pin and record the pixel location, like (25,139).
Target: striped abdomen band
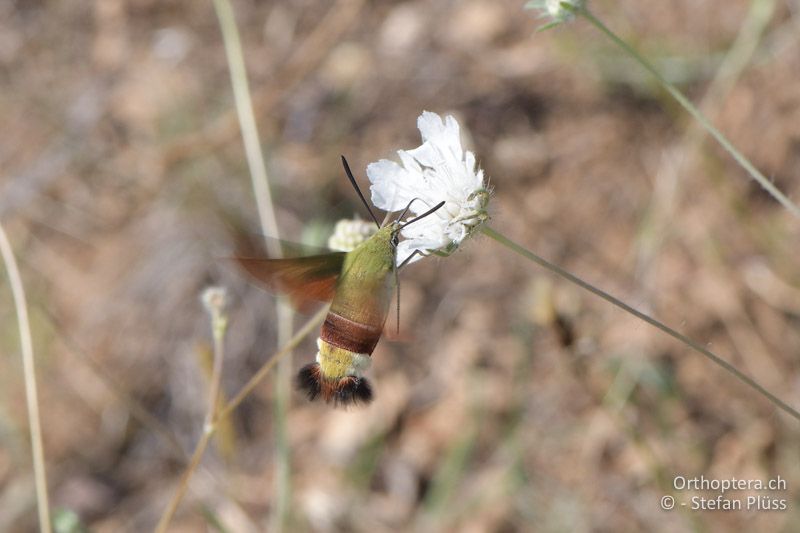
(348,335)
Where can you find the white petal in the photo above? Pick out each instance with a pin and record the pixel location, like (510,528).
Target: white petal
(452,136)
(444,136)
(404,249)
(428,155)
(479,180)
(430,225)
(409,246)
(392,186)
(407,159)
(433,129)
(430,125)
(469,165)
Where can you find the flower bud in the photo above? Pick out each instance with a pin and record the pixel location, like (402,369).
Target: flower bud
(349,233)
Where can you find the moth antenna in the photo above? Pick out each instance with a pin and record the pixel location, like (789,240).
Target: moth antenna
(423,215)
(355,186)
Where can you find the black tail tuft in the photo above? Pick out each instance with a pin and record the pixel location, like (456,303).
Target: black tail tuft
(353,390)
(349,390)
(308,380)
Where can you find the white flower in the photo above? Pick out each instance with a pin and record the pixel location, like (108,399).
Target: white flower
(350,233)
(556,9)
(439,170)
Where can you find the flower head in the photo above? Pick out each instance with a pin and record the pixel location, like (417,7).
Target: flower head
(214,299)
(558,10)
(438,170)
(350,233)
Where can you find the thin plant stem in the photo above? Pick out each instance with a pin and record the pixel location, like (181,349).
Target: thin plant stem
(183,484)
(210,429)
(216,379)
(282,395)
(691,108)
(313,323)
(214,300)
(29,369)
(269,225)
(524,252)
(247,121)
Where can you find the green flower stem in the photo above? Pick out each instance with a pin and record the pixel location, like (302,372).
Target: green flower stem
(508,243)
(694,111)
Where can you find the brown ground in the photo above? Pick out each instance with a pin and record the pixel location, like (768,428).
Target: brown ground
(517,402)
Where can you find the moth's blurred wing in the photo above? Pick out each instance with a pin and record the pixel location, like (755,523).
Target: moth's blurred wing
(257,244)
(303,279)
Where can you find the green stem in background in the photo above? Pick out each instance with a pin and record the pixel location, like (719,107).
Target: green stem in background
(269,225)
(29,369)
(511,245)
(688,106)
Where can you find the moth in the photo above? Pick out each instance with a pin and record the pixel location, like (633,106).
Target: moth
(359,285)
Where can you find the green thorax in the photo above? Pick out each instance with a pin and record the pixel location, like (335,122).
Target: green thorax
(364,290)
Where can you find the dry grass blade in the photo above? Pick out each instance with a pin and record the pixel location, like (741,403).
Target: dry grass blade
(269,225)
(31,395)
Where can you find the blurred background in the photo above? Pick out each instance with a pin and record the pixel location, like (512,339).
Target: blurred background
(515,401)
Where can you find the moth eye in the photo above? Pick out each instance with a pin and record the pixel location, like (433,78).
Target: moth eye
(395,239)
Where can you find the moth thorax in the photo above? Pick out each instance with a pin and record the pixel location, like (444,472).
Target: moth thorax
(335,362)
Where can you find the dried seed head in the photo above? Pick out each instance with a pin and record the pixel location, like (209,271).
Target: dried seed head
(214,299)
